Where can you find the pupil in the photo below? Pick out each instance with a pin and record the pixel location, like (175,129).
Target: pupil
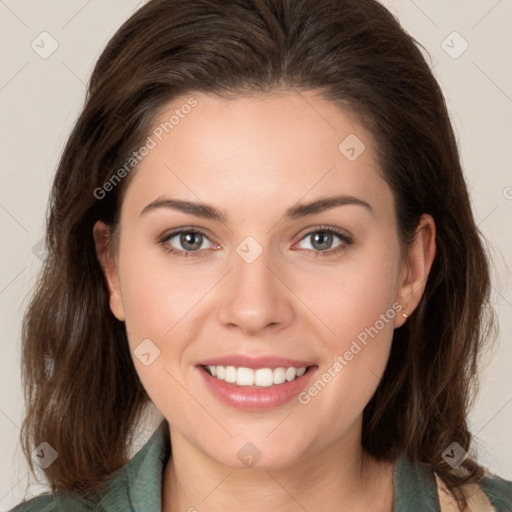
(191,241)
(323,239)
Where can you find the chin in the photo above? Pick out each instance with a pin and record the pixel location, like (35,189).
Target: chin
(257,453)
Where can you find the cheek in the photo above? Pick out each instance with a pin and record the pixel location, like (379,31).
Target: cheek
(350,297)
(358,304)
(160,304)
(158,296)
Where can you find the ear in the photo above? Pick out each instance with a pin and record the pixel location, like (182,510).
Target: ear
(106,257)
(416,267)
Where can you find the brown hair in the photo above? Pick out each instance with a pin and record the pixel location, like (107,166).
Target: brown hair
(83,395)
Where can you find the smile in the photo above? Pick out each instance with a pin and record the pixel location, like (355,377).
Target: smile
(260,377)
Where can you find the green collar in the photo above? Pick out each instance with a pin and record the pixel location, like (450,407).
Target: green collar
(137,486)
(414,484)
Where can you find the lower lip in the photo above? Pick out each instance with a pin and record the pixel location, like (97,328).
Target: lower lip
(256,398)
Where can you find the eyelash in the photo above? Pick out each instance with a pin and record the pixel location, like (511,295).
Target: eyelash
(347,241)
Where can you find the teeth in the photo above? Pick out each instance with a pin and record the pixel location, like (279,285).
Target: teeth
(279,375)
(262,377)
(230,375)
(245,377)
(291,373)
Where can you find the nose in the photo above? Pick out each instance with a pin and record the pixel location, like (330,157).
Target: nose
(255,296)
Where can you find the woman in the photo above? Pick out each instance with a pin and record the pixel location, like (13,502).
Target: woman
(260,225)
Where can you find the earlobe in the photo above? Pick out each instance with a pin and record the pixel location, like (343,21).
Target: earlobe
(106,258)
(420,256)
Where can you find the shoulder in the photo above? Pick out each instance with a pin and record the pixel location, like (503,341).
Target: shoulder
(498,491)
(419,488)
(41,504)
(137,484)
(50,503)
(493,493)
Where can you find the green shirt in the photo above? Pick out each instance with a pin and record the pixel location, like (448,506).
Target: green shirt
(137,486)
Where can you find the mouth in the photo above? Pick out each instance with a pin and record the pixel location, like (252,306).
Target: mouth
(255,378)
(255,384)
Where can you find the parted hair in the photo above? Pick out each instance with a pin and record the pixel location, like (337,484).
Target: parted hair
(82,393)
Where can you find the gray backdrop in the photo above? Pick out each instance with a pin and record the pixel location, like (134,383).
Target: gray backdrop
(47,53)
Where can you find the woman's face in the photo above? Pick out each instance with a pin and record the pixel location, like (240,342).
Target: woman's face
(295,263)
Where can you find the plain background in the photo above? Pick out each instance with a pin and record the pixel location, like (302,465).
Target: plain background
(41,98)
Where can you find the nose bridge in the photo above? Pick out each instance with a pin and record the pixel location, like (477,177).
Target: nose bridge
(255,297)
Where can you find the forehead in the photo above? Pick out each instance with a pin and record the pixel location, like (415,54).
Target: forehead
(244,152)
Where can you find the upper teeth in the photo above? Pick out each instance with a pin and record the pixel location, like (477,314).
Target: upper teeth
(261,377)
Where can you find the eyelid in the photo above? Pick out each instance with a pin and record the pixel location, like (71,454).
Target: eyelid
(342,234)
(345,237)
(186,229)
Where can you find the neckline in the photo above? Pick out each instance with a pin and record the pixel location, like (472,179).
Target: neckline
(414,485)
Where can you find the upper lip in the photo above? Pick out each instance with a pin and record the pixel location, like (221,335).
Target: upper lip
(254,362)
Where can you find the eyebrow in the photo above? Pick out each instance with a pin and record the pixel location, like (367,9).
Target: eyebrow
(295,212)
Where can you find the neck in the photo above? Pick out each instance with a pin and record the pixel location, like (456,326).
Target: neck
(338,475)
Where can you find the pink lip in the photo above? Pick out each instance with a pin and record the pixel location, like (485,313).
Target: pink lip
(255,362)
(257,398)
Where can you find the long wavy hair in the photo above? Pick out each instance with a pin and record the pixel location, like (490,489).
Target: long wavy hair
(83,395)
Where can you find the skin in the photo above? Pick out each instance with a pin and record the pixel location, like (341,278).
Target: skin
(253,158)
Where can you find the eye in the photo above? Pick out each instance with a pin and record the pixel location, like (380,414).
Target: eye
(185,241)
(321,241)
